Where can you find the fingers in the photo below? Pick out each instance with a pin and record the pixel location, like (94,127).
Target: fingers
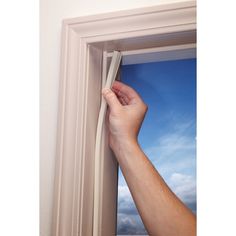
(122,101)
(121,96)
(125,90)
(111,99)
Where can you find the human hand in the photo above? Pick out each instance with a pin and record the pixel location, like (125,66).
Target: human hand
(126,113)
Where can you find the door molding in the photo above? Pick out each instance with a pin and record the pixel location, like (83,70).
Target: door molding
(86,44)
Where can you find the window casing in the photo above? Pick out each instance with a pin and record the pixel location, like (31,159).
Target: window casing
(85,56)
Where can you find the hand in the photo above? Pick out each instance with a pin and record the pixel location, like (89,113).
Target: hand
(126,113)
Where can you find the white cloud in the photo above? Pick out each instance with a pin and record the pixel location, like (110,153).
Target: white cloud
(129,221)
(175,151)
(125,201)
(174,156)
(124,192)
(184,186)
(170,144)
(130,225)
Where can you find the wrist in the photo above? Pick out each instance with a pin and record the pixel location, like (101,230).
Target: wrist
(124,146)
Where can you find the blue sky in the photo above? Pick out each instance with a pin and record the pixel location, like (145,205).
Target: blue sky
(168,132)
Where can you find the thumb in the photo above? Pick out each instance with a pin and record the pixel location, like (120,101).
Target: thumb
(111,99)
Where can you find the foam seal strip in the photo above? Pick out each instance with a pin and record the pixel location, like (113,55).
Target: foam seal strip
(114,66)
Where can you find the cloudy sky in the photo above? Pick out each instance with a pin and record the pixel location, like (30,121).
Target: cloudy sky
(167,135)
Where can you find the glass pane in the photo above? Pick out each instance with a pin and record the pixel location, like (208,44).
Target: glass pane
(167,135)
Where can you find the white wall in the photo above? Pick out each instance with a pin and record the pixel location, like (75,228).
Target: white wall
(52,12)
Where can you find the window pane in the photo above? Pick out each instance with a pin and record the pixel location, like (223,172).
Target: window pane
(167,135)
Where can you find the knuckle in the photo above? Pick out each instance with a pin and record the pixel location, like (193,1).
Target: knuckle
(145,107)
(110,95)
(107,93)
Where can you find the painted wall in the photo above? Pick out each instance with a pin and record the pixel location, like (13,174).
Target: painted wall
(51,14)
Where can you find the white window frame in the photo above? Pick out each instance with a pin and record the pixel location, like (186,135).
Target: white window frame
(142,35)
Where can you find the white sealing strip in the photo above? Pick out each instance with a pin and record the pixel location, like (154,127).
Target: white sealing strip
(115,63)
(155,49)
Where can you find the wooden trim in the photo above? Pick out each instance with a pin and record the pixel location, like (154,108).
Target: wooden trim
(98,186)
(85,41)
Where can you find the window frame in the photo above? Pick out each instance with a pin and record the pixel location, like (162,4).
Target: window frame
(87,43)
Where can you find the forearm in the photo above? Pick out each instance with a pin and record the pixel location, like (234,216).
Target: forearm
(161,211)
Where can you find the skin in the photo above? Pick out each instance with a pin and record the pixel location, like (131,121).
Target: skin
(162,212)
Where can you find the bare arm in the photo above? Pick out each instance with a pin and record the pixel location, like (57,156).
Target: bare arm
(162,213)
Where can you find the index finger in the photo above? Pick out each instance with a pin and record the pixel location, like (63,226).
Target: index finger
(126,90)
